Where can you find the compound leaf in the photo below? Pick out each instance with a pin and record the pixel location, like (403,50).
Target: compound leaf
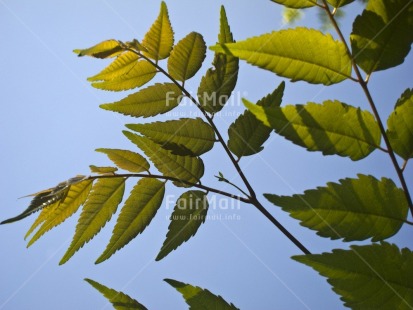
(126,160)
(119,300)
(102,170)
(59,212)
(186,168)
(296,4)
(151,101)
(159,40)
(198,298)
(376,276)
(354,209)
(247,134)
(100,205)
(186,136)
(105,49)
(140,74)
(218,83)
(295,54)
(332,127)
(189,213)
(400,126)
(379,39)
(187,57)
(137,213)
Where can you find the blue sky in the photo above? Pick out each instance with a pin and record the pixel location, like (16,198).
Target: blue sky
(51,123)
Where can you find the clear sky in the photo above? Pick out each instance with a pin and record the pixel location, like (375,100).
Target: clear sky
(50,125)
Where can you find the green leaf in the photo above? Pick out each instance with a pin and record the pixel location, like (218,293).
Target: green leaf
(102,170)
(379,39)
(218,83)
(105,49)
(43,215)
(151,101)
(126,160)
(137,213)
(159,40)
(332,127)
(189,213)
(247,134)
(367,277)
(400,126)
(354,209)
(123,64)
(185,168)
(198,298)
(101,203)
(76,197)
(187,57)
(339,3)
(296,4)
(119,300)
(295,54)
(186,136)
(141,73)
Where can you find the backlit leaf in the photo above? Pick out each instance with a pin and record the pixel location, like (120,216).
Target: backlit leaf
(185,168)
(140,74)
(127,160)
(100,205)
(123,64)
(198,298)
(137,213)
(376,276)
(119,300)
(186,136)
(219,82)
(380,39)
(76,197)
(151,101)
(247,134)
(332,127)
(187,57)
(295,54)
(189,213)
(43,215)
(105,49)
(339,3)
(102,170)
(354,209)
(400,126)
(296,4)
(159,40)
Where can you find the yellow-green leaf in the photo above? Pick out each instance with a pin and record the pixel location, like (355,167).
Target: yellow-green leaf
(218,83)
(102,170)
(123,64)
(296,4)
(151,101)
(380,38)
(339,3)
(376,276)
(119,300)
(76,197)
(105,49)
(295,54)
(354,209)
(189,213)
(141,73)
(137,213)
(43,215)
(186,168)
(247,134)
(198,298)
(400,126)
(186,136)
(100,205)
(126,160)
(187,57)
(159,40)
(332,127)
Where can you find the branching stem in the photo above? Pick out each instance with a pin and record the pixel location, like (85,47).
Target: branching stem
(366,91)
